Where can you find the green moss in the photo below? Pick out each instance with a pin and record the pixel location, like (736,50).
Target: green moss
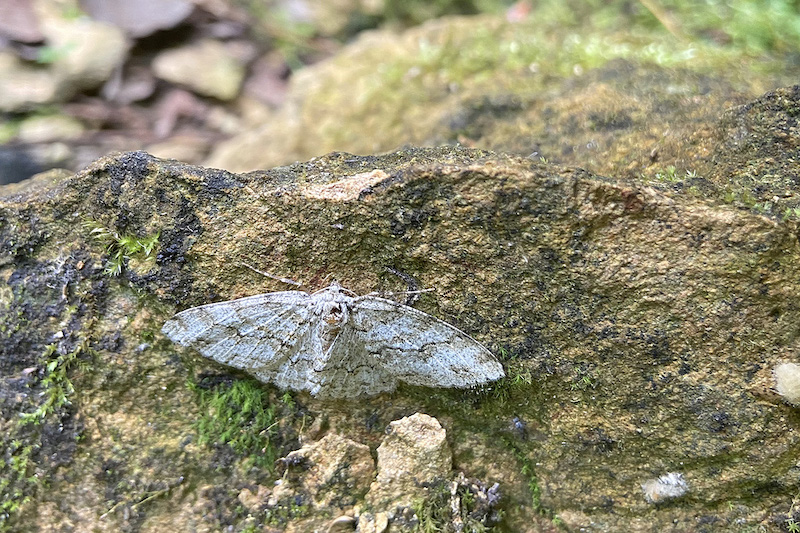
(239,416)
(518,379)
(433,513)
(123,248)
(284,512)
(56,384)
(17,479)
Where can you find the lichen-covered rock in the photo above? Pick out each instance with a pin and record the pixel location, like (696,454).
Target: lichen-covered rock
(414,455)
(516,87)
(638,327)
(335,472)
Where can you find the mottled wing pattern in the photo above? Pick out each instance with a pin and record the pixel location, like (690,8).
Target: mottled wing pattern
(420,349)
(350,370)
(256,333)
(303,368)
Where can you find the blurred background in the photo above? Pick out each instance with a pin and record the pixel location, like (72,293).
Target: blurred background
(82,78)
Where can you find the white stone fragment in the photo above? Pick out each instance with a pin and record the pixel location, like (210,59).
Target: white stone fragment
(332,344)
(787,382)
(670,485)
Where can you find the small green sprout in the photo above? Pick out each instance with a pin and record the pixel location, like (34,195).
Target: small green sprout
(670,175)
(121,248)
(51,54)
(792,525)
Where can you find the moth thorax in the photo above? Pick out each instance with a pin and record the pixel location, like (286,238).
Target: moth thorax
(333,319)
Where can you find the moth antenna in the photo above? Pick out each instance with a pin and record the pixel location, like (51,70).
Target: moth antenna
(409,300)
(270,276)
(413,292)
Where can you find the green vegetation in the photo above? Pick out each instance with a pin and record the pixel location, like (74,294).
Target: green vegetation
(240,416)
(753,27)
(792,525)
(435,513)
(283,512)
(51,54)
(670,175)
(56,385)
(122,249)
(517,378)
(528,471)
(769,26)
(583,380)
(18,480)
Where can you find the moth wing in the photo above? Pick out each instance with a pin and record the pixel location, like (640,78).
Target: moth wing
(420,349)
(350,369)
(254,334)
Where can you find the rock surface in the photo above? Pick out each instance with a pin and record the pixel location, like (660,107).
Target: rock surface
(413,456)
(81,54)
(639,326)
(206,67)
(335,472)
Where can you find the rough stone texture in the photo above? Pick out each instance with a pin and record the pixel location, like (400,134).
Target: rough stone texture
(372,523)
(335,472)
(639,325)
(206,67)
(413,456)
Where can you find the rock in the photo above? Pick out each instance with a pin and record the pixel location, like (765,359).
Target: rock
(666,487)
(633,320)
(134,83)
(24,86)
(335,471)
(85,52)
(221,74)
(342,524)
(787,382)
(413,454)
(254,501)
(139,18)
(372,523)
(82,54)
(49,128)
(18,21)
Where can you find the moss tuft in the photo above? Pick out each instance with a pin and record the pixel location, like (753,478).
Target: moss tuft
(239,415)
(121,248)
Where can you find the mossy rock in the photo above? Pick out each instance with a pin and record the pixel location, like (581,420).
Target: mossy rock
(638,326)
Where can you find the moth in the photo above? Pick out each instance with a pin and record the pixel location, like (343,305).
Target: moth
(333,343)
